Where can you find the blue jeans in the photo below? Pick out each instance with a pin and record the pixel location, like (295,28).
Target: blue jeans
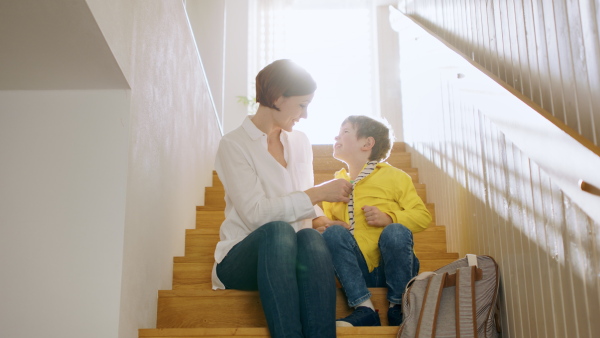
(397,267)
(293,273)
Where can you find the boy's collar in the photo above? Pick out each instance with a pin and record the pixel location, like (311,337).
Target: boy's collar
(344,173)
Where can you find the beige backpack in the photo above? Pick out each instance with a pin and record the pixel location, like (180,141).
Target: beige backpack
(457,300)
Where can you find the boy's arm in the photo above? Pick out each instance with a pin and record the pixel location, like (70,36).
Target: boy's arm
(376,217)
(414,214)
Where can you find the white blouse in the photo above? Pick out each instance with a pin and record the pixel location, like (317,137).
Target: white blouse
(258,189)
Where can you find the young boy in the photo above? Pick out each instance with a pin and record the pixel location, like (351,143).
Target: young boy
(383,213)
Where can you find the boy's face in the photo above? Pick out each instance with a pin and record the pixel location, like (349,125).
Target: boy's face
(347,144)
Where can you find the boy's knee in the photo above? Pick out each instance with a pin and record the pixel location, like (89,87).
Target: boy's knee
(396,234)
(334,232)
(335,229)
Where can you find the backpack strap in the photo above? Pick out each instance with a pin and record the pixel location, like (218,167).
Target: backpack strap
(431,303)
(466,317)
(472,259)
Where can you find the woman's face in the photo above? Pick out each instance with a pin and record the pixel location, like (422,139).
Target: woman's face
(291,110)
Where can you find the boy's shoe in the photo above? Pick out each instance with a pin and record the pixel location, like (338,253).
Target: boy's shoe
(395,315)
(362,316)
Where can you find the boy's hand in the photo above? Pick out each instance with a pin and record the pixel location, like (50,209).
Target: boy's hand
(376,217)
(322,223)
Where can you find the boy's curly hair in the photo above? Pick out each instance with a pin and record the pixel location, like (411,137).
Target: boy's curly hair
(380,131)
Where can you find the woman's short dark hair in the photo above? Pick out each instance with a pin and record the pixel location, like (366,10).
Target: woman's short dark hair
(282,78)
(380,131)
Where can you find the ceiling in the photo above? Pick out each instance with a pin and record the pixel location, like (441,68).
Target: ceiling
(54,45)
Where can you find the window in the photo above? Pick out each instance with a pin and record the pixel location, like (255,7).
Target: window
(334,41)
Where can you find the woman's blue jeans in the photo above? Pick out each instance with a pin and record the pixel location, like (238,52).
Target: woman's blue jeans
(397,267)
(293,273)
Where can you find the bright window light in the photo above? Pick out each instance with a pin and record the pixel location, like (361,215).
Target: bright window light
(336,46)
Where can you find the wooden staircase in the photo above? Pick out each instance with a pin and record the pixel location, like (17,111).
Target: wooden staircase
(193,309)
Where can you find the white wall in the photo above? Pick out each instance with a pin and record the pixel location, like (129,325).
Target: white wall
(502,173)
(549,51)
(207,18)
(98,186)
(63,177)
(390,93)
(54,44)
(173,139)
(221,32)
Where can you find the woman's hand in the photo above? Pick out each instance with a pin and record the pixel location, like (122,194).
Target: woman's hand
(376,217)
(322,223)
(331,191)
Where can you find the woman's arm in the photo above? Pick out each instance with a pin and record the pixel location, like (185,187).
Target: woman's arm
(322,223)
(336,190)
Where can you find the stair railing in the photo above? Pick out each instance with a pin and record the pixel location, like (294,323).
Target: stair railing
(571,161)
(212,100)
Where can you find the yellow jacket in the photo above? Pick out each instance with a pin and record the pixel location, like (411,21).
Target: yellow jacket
(392,191)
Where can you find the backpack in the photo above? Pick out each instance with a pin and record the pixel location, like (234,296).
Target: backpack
(456,300)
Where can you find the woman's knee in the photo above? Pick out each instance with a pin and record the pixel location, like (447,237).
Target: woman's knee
(311,239)
(279,232)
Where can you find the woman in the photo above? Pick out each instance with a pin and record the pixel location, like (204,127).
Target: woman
(267,239)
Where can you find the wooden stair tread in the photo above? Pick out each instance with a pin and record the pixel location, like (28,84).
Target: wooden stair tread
(398,160)
(259,332)
(195,273)
(210,236)
(215,196)
(205,308)
(211,229)
(327,174)
(201,243)
(233,293)
(206,208)
(430,261)
(215,215)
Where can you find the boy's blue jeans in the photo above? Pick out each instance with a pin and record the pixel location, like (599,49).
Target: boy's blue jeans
(293,273)
(397,267)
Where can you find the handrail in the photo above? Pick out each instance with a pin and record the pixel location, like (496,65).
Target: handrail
(212,100)
(572,160)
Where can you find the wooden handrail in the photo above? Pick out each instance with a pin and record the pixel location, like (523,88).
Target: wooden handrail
(566,156)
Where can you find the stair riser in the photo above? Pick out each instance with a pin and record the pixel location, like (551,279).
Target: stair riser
(243,309)
(398,160)
(215,196)
(326,150)
(204,245)
(206,219)
(205,253)
(210,218)
(262,332)
(197,276)
(326,175)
